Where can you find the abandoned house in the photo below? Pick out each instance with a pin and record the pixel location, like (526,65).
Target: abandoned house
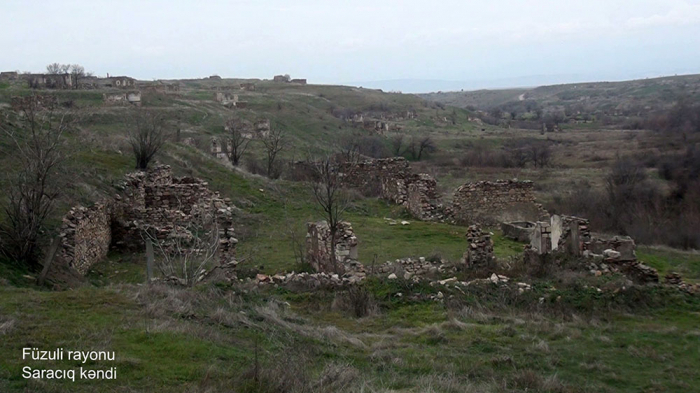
(8,75)
(132,97)
(248,86)
(281,78)
(226,99)
(120,82)
(49,81)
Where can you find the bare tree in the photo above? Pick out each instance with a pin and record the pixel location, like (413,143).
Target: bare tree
(146,133)
(237,141)
(350,148)
(274,142)
(540,154)
(56,68)
(37,135)
(425,146)
(330,196)
(76,71)
(397,145)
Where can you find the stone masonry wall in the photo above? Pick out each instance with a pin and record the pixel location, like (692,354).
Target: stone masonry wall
(86,236)
(388,175)
(153,200)
(479,248)
(491,203)
(423,199)
(318,245)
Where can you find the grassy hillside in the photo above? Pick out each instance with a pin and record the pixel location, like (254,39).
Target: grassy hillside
(644,93)
(572,332)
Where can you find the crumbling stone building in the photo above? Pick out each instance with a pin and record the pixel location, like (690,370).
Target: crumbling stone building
(49,81)
(154,201)
(247,86)
(9,76)
(132,97)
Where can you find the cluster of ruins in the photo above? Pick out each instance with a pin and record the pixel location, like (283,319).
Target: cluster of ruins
(287,79)
(221,147)
(229,100)
(377,122)
(479,203)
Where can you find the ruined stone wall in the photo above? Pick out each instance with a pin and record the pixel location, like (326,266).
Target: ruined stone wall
(86,235)
(479,248)
(491,203)
(422,197)
(390,178)
(388,175)
(318,248)
(154,201)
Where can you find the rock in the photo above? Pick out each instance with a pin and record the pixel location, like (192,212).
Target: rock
(440,295)
(448,281)
(405,222)
(611,254)
(392,276)
(494,278)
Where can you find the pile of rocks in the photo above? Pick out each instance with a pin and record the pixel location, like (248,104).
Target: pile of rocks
(676,280)
(673,278)
(640,272)
(309,280)
(480,247)
(413,268)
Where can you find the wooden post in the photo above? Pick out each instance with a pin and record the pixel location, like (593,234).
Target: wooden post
(149,261)
(49,258)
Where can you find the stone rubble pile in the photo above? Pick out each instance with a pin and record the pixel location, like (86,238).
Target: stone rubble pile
(408,268)
(676,280)
(309,280)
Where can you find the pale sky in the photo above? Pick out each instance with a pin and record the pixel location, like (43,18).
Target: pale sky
(328,41)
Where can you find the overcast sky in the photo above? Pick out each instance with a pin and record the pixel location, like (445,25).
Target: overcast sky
(330,41)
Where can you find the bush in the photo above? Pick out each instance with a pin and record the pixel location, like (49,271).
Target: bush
(357,301)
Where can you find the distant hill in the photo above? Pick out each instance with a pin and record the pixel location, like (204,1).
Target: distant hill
(642,94)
